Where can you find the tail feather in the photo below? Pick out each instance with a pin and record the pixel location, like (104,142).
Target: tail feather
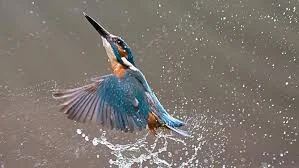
(179,131)
(171,121)
(174,124)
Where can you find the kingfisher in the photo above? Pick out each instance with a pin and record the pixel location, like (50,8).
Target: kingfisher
(122,100)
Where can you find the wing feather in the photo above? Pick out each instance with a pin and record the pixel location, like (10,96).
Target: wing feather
(91,108)
(82,107)
(111,119)
(108,119)
(74,109)
(108,101)
(126,123)
(131,124)
(120,120)
(69,103)
(97,112)
(84,112)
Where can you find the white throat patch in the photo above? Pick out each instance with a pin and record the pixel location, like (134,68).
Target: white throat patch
(108,49)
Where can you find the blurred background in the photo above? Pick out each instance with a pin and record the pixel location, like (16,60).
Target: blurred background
(228,68)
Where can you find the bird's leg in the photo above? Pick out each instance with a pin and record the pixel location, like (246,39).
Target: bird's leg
(153,123)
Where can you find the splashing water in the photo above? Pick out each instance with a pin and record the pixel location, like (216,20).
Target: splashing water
(159,151)
(138,152)
(36,111)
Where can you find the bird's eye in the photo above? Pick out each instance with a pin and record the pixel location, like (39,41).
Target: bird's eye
(118,41)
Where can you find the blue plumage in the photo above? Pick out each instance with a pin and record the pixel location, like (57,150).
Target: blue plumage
(122,100)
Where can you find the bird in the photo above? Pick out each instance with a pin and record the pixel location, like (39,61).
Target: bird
(122,100)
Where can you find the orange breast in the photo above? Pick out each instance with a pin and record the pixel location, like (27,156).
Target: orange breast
(118,69)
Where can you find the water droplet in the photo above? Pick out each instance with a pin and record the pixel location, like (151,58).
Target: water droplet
(79,131)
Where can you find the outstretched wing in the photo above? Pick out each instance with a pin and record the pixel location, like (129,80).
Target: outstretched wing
(109,101)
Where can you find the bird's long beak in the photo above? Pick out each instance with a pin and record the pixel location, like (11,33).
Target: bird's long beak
(100,29)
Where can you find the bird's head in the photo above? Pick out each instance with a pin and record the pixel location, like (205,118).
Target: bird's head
(116,48)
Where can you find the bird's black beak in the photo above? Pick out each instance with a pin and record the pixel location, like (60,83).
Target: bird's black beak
(103,32)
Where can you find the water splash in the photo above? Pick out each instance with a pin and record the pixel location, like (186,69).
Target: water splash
(166,150)
(137,152)
(34,107)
